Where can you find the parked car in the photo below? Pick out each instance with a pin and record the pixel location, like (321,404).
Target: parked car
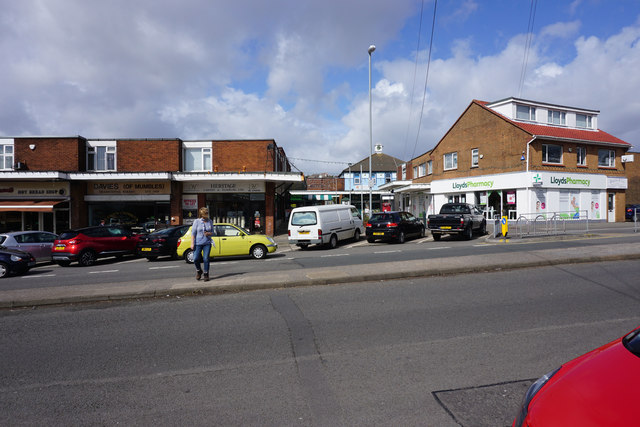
(86,245)
(37,243)
(394,225)
(324,225)
(230,240)
(631,211)
(600,388)
(163,242)
(14,261)
(457,218)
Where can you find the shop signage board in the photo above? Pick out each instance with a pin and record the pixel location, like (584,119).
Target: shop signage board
(128,187)
(189,208)
(31,190)
(223,187)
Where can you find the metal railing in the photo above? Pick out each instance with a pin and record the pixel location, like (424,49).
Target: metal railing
(551,223)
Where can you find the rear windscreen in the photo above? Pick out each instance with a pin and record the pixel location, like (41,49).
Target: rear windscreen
(454,209)
(382,218)
(304,218)
(70,234)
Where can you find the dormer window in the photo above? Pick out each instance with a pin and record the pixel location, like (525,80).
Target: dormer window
(525,112)
(584,121)
(101,156)
(557,117)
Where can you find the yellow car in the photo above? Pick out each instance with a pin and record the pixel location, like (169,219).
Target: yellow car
(230,240)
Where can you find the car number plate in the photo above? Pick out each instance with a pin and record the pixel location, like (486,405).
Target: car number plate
(446,227)
(59,248)
(145,249)
(378,234)
(303,232)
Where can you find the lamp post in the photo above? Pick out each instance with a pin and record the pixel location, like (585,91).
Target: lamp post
(372,48)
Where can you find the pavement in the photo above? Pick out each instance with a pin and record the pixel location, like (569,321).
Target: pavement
(335,275)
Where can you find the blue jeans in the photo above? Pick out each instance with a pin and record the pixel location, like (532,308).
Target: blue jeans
(201,254)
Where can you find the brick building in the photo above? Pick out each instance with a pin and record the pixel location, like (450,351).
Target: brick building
(519,158)
(55,183)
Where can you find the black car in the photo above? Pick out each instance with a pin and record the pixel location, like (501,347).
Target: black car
(14,261)
(395,225)
(163,242)
(631,211)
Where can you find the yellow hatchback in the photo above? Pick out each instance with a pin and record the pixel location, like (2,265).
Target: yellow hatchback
(230,240)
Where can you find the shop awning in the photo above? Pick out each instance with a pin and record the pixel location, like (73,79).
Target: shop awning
(29,205)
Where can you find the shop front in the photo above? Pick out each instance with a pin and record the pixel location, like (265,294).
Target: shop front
(27,205)
(133,202)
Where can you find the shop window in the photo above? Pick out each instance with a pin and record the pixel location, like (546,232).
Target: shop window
(101,155)
(197,159)
(606,158)
(552,153)
(6,156)
(450,161)
(581,152)
(475,157)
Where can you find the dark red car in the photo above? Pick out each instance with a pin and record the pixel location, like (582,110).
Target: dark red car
(600,388)
(86,245)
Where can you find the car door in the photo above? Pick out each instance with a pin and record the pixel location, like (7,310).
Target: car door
(29,242)
(46,243)
(232,241)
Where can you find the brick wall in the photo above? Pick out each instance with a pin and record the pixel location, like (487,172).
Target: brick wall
(325,184)
(149,155)
(51,154)
(632,170)
(244,156)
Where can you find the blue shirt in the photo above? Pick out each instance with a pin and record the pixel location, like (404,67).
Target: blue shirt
(198,229)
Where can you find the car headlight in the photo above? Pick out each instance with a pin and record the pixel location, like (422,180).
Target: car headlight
(16,258)
(531,392)
(273,242)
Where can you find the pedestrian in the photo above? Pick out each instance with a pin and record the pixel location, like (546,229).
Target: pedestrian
(201,232)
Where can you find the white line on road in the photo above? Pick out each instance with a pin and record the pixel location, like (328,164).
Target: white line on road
(387,252)
(159,268)
(334,255)
(103,271)
(438,248)
(38,275)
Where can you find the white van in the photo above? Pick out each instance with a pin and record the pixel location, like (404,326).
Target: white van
(325,224)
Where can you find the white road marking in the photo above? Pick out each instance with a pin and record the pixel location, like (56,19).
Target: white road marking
(103,271)
(159,268)
(334,255)
(439,247)
(387,252)
(35,276)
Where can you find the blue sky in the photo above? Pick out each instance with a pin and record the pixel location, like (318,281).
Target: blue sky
(297,71)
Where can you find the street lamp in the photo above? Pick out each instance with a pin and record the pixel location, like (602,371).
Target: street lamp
(372,48)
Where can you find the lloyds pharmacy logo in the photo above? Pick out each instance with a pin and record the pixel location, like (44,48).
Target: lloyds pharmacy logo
(537,179)
(567,180)
(471,184)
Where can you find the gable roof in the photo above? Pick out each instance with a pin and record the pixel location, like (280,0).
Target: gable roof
(560,133)
(380,162)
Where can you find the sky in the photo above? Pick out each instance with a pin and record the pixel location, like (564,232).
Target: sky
(297,71)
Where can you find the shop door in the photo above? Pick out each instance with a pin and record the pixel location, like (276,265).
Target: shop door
(611,207)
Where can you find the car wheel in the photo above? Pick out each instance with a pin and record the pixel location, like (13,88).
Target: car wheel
(303,246)
(370,240)
(87,258)
(333,241)
(188,256)
(401,237)
(356,235)
(259,252)
(4,270)
(63,263)
(483,228)
(422,232)
(468,233)
(174,255)
(152,258)
(436,237)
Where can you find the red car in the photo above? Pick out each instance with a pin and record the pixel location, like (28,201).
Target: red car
(600,388)
(86,245)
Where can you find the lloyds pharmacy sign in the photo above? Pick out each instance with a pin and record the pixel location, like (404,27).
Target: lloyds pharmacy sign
(471,184)
(562,181)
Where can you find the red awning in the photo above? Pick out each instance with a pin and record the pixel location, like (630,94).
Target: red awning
(28,205)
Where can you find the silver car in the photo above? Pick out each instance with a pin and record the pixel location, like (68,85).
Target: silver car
(37,243)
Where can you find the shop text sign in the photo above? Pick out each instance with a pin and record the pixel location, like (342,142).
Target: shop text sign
(566,181)
(36,189)
(128,187)
(472,184)
(223,187)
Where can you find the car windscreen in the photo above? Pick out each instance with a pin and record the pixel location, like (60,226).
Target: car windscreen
(2,239)
(632,342)
(304,218)
(69,234)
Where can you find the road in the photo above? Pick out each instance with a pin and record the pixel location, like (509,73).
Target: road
(292,258)
(439,351)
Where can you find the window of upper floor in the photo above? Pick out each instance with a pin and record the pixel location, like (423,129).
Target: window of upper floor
(6,154)
(552,153)
(404,171)
(101,156)
(388,177)
(429,167)
(606,158)
(451,161)
(525,112)
(556,117)
(197,156)
(422,169)
(584,121)
(415,172)
(475,157)
(356,180)
(581,153)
